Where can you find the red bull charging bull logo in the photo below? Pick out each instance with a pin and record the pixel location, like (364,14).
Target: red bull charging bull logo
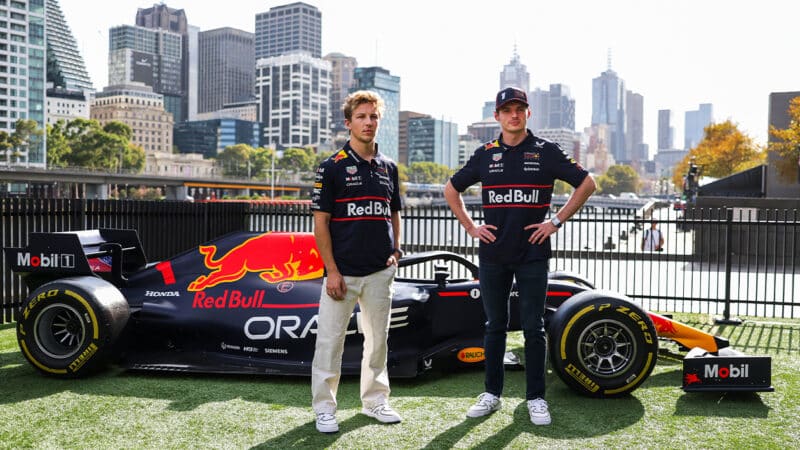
(276,257)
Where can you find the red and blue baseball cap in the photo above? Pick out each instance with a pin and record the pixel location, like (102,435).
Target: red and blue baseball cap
(510,94)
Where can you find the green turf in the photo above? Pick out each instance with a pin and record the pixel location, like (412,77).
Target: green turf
(118,409)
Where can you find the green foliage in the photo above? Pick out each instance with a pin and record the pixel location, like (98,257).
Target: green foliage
(236,160)
(26,136)
(723,151)
(619,178)
(298,160)
(562,187)
(788,144)
(428,173)
(84,143)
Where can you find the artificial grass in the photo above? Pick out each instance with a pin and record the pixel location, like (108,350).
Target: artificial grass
(118,409)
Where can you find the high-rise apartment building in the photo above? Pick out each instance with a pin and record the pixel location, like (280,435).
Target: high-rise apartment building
(608,108)
(22,76)
(342,82)
(149,56)
(515,74)
(695,123)
(289,28)
(227,66)
(666,131)
(402,133)
(379,80)
(162,17)
(433,140)
(69,89)
(293,92)
(136,105)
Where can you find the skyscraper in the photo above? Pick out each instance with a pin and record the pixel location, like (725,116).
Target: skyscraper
(695,124)
(162,17)
(515,74)
(23,75)
(65,66)
(150,56)
(635,150)
(226,65)
(432,140)
(293,92)
(608,108)
(342,81)
(289,28)
(379,80)
(665,130)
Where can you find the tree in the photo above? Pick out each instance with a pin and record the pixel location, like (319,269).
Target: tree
(58,149)
(787,146)
(619,178)
(723,151)
(235,160)
(26,135)
(298,160)
(428,173)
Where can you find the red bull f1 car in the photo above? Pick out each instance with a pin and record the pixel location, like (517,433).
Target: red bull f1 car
(247,303)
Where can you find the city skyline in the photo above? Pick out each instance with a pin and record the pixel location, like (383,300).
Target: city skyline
(676,55)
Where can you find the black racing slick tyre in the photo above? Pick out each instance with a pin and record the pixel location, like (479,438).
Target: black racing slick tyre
(68,326)
(601,344)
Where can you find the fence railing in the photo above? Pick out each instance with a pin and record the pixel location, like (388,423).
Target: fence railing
(724,262)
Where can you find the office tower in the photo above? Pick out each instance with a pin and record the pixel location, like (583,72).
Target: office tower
(293,92)
(486,130)
(665,130)
(192,89)
(211,137)
(432,140)
(539,101)
(69,89)
(466,147)
(22,76)
(402,134)
(552,109)
(636,153)
(149,56)
(136,105)
(342,82)
(226,65)
(379,80)
(289,28)
(488,110)
(162,17)
(695,124)
(515,74)
(608,108)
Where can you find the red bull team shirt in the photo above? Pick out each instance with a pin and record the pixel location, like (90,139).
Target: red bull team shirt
(360,196)
(516,188)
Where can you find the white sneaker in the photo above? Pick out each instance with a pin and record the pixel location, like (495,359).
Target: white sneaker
(487,403)
(383,412)
(326,423)
(537,408)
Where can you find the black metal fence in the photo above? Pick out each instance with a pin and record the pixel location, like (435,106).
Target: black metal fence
(724,262)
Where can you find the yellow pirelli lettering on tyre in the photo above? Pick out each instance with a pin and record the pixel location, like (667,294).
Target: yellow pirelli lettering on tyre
(642,373)
(570,324)
(83,357)
(582,378)
(89,310)
(36,363)
(35,301)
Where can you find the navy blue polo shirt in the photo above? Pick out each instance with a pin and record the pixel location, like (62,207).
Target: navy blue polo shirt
(517,185)
(360,196)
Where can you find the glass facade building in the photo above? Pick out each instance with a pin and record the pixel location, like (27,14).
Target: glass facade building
(65,66)
(210,137)
(608,108)
(289,28)
(433,140)
(379,80)
(226,68)
(23,76)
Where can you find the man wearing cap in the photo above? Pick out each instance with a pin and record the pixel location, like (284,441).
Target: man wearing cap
(517,172)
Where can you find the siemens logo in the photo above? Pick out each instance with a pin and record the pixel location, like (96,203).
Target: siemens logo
(514,196)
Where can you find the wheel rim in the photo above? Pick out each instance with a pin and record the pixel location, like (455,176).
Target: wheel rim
(606,348)
(59,331)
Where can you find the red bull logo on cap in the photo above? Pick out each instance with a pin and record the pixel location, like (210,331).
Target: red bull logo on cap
(276,257)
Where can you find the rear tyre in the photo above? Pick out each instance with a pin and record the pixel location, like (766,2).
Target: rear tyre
(68,326)
(601,344)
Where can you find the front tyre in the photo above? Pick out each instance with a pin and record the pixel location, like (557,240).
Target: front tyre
(601,344)
(68,326)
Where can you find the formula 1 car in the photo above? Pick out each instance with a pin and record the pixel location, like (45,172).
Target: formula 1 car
(247,303)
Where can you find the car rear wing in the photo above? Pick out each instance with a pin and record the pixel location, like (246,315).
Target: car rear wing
(87,252)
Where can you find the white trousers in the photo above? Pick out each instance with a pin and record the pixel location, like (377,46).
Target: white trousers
(374,296)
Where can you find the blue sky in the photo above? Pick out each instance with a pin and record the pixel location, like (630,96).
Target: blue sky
(449,54)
